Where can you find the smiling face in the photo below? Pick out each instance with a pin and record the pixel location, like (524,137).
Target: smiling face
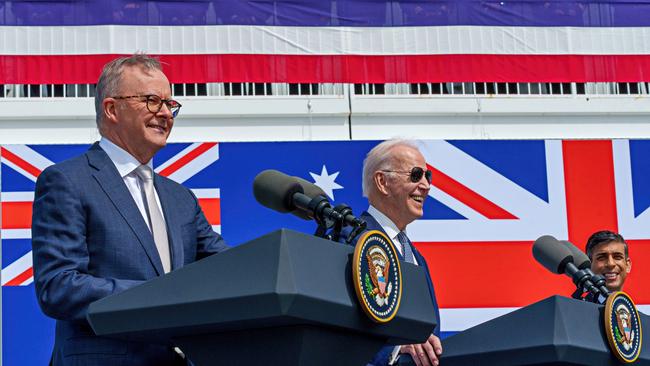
(610,261)
(129,123)
(400,199)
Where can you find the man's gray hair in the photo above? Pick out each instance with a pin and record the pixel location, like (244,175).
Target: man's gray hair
(109,81)
(380,158)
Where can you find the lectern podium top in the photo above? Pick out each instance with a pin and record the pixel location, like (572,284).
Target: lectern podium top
(282,278)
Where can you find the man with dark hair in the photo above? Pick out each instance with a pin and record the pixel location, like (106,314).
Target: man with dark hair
(396,182)
(104,222)
(609,257)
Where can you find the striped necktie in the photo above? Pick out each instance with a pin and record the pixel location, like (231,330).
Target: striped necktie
(406,244)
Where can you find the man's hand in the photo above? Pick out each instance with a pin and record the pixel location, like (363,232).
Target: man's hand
(425,354)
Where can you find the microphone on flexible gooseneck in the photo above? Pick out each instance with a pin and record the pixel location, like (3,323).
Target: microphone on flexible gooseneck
(581,261)
(284,193)
(358,225)
(276,190)
(558,258)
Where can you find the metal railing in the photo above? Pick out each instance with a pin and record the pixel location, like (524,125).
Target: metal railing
(495,88)
(338,89)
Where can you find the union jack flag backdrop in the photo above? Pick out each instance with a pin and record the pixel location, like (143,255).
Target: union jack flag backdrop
(364,41)
(489,201)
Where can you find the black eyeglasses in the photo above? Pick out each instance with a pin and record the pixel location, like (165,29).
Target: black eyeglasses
(154,103)
(415,174)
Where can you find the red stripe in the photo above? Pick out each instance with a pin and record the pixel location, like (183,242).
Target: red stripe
(16,215)
(172,168)
(16,281)
(80,69)
(468,196)
(29,168)
(211,209)
(590,190)
(489,274)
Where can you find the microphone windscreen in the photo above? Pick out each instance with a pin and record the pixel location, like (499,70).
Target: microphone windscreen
(275,190)
(310,190)
(551,254)
(580,259)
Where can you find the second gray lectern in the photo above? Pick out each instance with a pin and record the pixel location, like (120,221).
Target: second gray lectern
(555,331)
(283,299)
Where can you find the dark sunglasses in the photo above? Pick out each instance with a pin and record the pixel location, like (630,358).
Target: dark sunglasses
(415,174)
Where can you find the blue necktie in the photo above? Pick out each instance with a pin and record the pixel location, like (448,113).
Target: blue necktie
(406,245)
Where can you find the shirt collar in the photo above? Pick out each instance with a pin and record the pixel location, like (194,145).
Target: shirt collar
(124,162)
(387,224)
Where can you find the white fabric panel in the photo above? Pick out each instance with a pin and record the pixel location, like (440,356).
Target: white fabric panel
(456,320)
(17,196)
(15,233)
(114,39)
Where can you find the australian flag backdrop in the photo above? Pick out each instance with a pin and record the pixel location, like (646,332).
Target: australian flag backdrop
(489,201)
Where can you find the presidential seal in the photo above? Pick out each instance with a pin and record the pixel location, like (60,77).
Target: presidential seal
(377,276)
(623,327)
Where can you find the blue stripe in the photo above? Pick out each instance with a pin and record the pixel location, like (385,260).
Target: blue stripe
(13,249)
(354,13)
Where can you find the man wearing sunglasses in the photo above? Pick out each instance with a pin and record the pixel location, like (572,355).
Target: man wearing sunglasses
(396,182)
(104,222)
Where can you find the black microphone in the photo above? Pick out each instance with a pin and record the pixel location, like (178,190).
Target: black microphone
(275,190)
(284,193)
(313,191)
(548,252)
(348,218)
(558,258)
(310,190)
(581,261)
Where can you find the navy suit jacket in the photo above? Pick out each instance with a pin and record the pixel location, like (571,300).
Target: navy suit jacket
(89,241)
(382,357)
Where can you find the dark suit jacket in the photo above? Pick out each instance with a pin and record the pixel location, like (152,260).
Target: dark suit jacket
(382,357)
(90,241)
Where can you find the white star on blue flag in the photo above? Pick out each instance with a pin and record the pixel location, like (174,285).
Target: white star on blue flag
(326,181)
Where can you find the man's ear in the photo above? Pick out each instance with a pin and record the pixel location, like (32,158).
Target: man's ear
(109,108)
(381,183)
(629,265)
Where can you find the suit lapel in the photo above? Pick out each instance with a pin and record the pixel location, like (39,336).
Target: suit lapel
(175,240)
(112,184)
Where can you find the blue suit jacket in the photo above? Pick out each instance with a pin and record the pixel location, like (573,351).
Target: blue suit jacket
(90,241)
(382,357)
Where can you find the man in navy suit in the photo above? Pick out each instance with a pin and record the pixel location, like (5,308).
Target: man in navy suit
(396,182)
(103,222)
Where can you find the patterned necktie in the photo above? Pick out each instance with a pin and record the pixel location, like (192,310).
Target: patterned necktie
(406,245)
(156,221)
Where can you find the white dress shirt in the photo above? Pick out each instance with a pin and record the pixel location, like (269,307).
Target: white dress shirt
(126,165)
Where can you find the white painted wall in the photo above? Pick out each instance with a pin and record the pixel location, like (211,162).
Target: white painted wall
(292,118)
(519,117)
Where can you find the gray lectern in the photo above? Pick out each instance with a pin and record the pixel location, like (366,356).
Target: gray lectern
(283,299)
(554,331)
